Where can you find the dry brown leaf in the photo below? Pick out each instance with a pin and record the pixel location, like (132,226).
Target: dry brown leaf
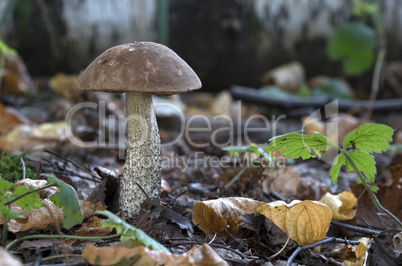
(35,218)
(212,216)
(93,228)
(10,118)
(89,208)
(342,205)
(309,222)
(203,255)
(282,180)
(40,218)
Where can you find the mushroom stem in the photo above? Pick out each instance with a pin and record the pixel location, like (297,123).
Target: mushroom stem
(143,158)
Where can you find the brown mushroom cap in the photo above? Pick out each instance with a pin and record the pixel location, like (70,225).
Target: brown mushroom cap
(142,67)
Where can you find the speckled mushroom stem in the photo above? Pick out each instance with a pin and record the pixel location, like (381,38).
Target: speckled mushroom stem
(143,158)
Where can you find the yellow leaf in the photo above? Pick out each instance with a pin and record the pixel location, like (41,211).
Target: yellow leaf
(362,247)
(342,205)
(212,216)
(306,221)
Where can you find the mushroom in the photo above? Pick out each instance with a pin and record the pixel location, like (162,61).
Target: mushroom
(140,69)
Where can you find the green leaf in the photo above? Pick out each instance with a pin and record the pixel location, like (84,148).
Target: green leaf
(339,161)
(8,214)
(353,43)
(364,162)
(369,138)
(363,8)
(5,186)
(29,201)
(373,188)
(296,145)
(130,232)
(66,198)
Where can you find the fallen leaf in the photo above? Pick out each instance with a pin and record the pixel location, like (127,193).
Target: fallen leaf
(311,125)
(214,216)
(288,77)
(10,118)
(360,253)
(93,228)
(203,255)
(89,208)
(397,241)
(305,221)
(282,180)
(16,78)
(28,137)
(40,218)
(342,205)
(65,86)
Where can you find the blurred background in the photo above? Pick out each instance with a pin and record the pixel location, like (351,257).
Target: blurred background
(226,42)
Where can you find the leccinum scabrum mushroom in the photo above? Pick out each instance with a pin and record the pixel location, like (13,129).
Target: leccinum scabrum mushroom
(140,69)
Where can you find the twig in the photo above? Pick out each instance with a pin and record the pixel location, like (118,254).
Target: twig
(143,191)
(355,228)
(324,241)
(12,243)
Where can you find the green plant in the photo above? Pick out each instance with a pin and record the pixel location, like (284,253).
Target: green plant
(356,153)
(65,198)
(123,229)
(12,168)
(26,198)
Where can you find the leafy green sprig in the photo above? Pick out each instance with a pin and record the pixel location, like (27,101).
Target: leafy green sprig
(356,153)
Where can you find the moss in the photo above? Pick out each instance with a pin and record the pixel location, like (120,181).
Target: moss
(11,167)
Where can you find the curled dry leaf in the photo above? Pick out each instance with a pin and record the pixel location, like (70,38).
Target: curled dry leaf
(342,205)
(40,218)
(360,253)
(93,227)
(308,224)
(212,216)
(203,255)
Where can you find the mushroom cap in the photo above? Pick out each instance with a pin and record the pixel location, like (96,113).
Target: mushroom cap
(139,66)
